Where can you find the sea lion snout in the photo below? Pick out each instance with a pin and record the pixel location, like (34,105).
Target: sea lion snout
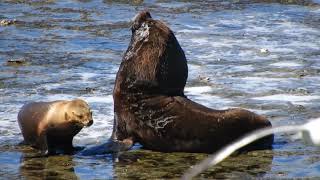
(89,122)
(139,19)
(79,112)
(83,120)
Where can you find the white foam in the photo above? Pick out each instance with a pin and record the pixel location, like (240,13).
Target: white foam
(50,86)
(211,101)
(258,84)
(254,29)
(189,31)
(286,64)
(241,68)
(172,4)
(298,29)
(55,97)
(260,79)
(287,97)
(193,26)
(9,128)
(99,99)
(99,132)
(199,40)
(87,76)
(222,43)
(197,90)
(207,56)
(200,94)
(193,71)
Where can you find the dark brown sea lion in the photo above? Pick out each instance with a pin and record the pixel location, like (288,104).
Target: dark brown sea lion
(49,126)
(149,102)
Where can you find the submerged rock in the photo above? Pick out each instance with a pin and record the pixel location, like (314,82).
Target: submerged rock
(15,62)
(204,79)
(264,51)
(7,22)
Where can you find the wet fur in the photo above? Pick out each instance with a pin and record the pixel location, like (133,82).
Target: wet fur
(150,105)
(52,125)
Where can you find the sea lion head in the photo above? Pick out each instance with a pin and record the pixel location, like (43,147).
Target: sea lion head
(154,57)
(79,113)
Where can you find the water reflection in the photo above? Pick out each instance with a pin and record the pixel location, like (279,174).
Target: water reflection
(151,165)
(139,164)
(53,167)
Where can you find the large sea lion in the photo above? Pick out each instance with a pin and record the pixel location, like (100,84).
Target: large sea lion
(149,102)
(50,126)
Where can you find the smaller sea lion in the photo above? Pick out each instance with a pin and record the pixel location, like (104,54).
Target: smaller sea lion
(50,126)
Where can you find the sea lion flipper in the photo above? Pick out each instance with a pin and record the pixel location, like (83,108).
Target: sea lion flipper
(43,144)
(123,145)
(112,146)
(22,143)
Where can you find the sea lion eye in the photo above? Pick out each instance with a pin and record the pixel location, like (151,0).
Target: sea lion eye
(80,116)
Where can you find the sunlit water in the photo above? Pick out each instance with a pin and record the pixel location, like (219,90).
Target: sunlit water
(73,49)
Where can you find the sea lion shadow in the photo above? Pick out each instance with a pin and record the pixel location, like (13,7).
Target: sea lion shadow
(34,165)
(148,164)
(36,153)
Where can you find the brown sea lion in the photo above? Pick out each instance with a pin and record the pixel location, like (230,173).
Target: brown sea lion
(149,102)
(49,126)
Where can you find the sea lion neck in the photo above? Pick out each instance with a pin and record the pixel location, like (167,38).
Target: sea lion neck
(150,61)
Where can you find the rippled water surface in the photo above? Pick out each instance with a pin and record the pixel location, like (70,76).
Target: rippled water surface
(260,55)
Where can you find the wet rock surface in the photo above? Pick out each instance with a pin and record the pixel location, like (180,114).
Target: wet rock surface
(6,22)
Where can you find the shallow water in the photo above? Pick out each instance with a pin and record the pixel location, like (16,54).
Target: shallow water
(74,48)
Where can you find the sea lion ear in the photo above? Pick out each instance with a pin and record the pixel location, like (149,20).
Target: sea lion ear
(139,19)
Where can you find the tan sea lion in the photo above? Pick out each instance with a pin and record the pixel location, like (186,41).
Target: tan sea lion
(149,102)
(49,126)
